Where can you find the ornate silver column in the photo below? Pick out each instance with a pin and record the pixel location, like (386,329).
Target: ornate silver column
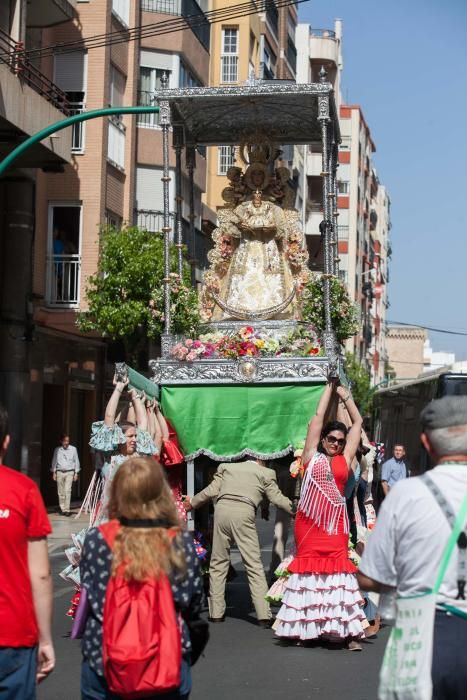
(164,114)
(333,165)
(191,165)
(324,119)
(178,145)
(190,490)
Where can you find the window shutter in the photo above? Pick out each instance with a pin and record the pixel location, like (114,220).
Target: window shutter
(69,71)
(149,190)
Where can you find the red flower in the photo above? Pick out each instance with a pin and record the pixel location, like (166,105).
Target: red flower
(314,351)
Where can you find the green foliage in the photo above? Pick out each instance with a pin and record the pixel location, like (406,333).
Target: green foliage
(343,311)
(360,382)
(121,295)
(183,309)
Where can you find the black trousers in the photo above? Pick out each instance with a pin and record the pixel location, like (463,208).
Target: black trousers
(449,670)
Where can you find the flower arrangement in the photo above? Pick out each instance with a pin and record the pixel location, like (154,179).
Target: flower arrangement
(247,342)
(184,309)
(343,311)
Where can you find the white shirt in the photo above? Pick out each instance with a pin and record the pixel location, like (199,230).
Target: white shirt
(406,546)
(65,460)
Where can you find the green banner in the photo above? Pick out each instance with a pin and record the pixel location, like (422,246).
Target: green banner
(223,421)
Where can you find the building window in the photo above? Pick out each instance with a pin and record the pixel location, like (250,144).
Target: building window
(70,76)
(343,187)
(112,219)
(268,62)
(117,87)
(116,143)
(229,56)
(225,159)
(150,82)
(187,78)
(121,8)
(64,258)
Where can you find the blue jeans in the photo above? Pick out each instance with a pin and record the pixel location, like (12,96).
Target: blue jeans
(18,667)
(94,687)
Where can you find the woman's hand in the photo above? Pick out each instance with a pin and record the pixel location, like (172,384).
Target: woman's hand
(120,384)
(343,393)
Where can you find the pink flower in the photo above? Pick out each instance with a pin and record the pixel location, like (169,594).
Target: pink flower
(196,344)
(191,356)
(188,342)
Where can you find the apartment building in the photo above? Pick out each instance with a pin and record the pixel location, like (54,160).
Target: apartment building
(363,203)
(106,171)
(256,47)
(317,49)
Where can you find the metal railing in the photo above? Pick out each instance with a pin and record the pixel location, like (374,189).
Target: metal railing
(152,220)
(322,33)
(12,53)
(63,277)
(194,15)
(147,98)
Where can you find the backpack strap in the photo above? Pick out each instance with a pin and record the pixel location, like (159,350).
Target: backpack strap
(458,534)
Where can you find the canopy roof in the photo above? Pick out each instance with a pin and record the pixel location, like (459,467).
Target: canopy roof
(287,112)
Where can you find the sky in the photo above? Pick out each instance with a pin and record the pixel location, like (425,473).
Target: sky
(405,64)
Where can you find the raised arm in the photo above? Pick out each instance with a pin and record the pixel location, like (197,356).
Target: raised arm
(355,431)
(111,408)
(163,427)
(315,426)
(140,410)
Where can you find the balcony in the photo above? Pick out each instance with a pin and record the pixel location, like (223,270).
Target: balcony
(189,9)
(152,220)
(12,55)
(63,280)
(47,13)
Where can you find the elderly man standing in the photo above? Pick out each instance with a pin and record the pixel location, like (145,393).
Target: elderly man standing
(412,530)
(65,469)
(238,489)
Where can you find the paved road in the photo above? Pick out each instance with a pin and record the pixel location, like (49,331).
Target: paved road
(242,661)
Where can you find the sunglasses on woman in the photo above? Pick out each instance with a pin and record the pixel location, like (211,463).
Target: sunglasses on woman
(335,441)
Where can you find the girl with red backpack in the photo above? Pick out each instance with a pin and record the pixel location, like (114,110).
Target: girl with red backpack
(142,581)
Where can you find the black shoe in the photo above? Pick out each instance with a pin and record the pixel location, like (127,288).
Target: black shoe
(67,513)
(265,624)
(216,619)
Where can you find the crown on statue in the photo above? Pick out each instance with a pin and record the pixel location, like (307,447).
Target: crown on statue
(257,148)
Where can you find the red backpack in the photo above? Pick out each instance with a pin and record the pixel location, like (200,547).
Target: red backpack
(142,648)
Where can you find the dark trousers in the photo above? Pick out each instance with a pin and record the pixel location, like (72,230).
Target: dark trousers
(449,670)
(94,687)
(18,673)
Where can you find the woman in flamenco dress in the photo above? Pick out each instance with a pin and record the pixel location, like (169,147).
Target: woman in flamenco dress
(321,599)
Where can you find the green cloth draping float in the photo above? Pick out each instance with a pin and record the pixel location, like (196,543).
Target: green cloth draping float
(228,422)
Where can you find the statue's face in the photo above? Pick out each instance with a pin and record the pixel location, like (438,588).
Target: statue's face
(257,178)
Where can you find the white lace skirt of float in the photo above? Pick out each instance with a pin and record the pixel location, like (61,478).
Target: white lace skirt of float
(328,606)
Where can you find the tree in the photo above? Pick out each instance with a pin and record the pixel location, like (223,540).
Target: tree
(124,296)
(360,383)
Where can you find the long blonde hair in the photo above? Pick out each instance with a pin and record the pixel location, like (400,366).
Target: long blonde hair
(140,491)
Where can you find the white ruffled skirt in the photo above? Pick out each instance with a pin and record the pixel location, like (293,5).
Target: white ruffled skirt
(327,606)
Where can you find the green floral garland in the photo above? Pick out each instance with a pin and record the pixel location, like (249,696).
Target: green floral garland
(343,312)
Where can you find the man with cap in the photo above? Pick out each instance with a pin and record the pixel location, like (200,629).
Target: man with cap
(405,549)
(239,488)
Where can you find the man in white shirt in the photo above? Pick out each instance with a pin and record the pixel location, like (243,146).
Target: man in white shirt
(65,469)
(405,548)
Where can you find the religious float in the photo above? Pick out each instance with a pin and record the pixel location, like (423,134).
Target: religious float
(248,384)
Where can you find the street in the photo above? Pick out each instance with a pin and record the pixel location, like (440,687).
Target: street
(242,661)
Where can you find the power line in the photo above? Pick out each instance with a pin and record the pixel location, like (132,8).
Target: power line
(177,24)
(427,328)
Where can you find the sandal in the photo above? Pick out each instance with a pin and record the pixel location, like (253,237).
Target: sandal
(353,645)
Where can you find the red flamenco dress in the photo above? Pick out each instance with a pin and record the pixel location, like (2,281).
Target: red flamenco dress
(321,598)
(172,459)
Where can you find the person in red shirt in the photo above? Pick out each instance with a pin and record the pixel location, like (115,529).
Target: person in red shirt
(26,649)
